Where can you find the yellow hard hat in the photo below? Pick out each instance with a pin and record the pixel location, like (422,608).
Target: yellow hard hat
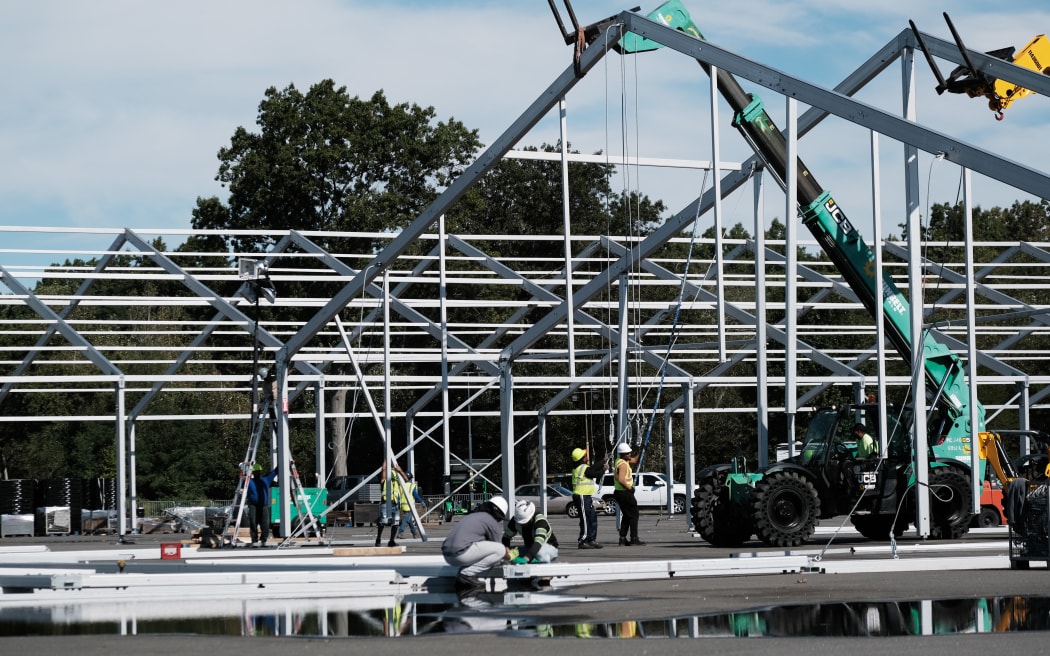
(578,454)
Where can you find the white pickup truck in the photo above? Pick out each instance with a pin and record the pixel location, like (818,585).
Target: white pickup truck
(650,490)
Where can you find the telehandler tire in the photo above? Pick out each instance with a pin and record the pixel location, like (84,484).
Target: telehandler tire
(785,509)
(718,520)
(950,512)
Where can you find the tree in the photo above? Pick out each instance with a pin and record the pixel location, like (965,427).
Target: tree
(326,161)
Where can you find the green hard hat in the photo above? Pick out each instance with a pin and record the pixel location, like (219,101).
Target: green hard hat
(256,467)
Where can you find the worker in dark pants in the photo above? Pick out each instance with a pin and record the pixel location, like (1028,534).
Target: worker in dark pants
(390,511)
(583,488)
(258,505)
(623,492)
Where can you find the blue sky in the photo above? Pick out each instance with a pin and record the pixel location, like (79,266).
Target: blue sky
(113,111)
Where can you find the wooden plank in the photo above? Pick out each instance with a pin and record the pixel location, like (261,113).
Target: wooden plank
(368,551)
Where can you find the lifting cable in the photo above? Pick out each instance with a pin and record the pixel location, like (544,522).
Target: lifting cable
(632,222)
(673,337)
(610,417)
(613,399)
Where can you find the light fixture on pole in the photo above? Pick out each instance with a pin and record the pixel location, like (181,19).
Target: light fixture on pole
(257,274)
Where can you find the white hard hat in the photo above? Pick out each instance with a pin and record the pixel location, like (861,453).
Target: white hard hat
(500,503)
(623,447)
(523,511)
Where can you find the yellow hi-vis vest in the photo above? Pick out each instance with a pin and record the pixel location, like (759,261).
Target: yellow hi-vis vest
(630,474)
(582,485)
(408,497)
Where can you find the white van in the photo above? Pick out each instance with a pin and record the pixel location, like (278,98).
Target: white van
(650,490)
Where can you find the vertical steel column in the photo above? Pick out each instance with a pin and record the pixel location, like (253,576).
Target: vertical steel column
(688,440)
(284,452)
(321,442)
(541,421)
(122,460)
(388,438)
(880,308)
(506,411)
(762,414)
(622,396)
(976,471)
(719,257)
(133,495)
(791,270)
(1023,416)
(470,444)
(443,309)
(567,222)
(669,463)
(410,433)
(918,377)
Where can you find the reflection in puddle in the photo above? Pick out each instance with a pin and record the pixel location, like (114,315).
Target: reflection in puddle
(872,619)
(875,619)
(516,613)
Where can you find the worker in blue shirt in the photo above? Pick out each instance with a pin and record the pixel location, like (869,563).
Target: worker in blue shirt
(258,502)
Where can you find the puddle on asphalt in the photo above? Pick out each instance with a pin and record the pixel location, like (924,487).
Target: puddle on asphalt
(514,614)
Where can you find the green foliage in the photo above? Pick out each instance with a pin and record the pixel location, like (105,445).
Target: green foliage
(325,161)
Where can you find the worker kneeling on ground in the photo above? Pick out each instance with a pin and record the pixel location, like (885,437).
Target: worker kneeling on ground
(474,543)
(541,546)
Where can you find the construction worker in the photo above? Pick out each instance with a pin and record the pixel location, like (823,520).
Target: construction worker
(410,496)
(583,488)
(866,445)
(475,544)
(258,502)
(390,513)
(541,546)
(623,492)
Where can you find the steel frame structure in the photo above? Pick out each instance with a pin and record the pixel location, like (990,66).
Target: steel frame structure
(502,353)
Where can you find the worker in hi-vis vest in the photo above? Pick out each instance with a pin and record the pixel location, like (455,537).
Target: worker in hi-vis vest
(584,475)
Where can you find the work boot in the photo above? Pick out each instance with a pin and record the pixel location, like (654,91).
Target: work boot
(624,542)
(391,543)
(595,545)
(585,545)
(635,542)
(466,582)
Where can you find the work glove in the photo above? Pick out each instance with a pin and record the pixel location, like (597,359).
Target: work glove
(519,561)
